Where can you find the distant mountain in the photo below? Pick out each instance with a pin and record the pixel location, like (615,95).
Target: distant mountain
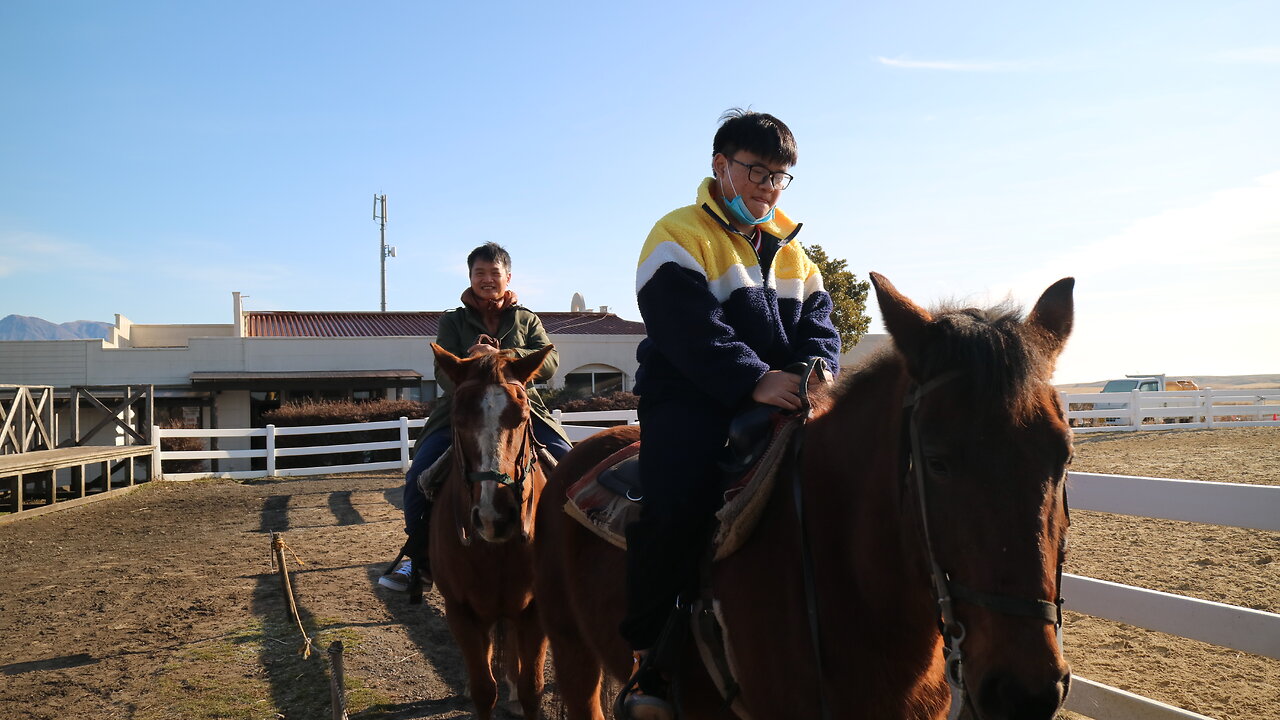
(21,327)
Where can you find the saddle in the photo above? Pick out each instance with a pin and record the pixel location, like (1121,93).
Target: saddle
(609,497)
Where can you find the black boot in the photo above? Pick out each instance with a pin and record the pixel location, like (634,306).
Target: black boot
(417,549)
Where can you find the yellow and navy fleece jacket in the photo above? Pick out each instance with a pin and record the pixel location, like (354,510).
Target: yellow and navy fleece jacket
(715,323)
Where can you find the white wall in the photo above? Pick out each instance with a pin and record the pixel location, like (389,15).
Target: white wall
(145,336)
(64,363)
(577,351)
(867,345)
(60,363)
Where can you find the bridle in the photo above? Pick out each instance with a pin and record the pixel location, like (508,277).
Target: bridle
(947,591)
(525,462)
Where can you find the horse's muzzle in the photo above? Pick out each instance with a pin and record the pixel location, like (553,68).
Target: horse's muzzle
(1006,697)
(492,527)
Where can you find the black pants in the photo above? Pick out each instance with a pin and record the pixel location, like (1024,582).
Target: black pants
(680,441)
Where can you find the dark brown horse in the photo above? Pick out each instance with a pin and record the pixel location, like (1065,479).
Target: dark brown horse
(482,524)
(935,470)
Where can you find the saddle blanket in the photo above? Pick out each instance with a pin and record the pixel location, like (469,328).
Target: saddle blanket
(608,498)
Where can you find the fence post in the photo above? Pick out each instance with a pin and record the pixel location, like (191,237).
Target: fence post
(157,473)
(271,451)
(404,444)
(337,682)
(1135,409)
(1207,396)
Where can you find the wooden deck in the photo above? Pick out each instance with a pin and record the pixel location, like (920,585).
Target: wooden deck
(18,492)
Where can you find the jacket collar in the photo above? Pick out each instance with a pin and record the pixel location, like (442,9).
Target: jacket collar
(506,321)
(781,226)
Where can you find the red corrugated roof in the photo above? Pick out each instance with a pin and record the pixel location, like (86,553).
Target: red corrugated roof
(286,323)
(586,323)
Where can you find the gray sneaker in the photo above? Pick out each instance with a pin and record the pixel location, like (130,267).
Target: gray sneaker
(398,579)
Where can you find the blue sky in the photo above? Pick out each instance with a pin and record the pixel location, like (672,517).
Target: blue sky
(156,156)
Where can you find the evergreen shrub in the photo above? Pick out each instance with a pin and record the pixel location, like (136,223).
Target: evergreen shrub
(340,412)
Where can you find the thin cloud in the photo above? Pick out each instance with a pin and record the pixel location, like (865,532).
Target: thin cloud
(1202,271)
(30,252)
(1250,56)
(951,65)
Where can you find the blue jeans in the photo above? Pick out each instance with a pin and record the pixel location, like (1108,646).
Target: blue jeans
(434,445)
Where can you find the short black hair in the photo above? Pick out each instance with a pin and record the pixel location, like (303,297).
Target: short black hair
(758,133)
(490,252)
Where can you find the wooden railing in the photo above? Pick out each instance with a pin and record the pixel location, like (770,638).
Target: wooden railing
(38,474)
(26,418)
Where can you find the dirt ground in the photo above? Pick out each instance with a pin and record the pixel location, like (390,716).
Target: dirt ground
(162,603)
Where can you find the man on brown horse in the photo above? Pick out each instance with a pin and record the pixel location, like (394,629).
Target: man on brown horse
(489,321)
(728,300)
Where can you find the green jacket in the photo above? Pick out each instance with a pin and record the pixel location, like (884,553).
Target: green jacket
(520,331)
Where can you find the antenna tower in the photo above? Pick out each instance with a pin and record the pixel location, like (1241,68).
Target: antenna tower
(384,252)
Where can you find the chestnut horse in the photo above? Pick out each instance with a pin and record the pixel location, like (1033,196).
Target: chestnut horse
(482,524)
(927,511)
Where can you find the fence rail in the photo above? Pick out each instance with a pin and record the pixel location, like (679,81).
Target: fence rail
(271,453)
(1218,503)
(1172,409)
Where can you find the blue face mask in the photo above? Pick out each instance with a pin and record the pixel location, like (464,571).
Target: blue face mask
(738,209)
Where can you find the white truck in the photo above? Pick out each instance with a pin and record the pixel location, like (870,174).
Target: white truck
(1141,383)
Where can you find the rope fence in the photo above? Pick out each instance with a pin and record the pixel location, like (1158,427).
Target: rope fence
(337,676)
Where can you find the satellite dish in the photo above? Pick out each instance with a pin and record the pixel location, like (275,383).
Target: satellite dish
(577,304)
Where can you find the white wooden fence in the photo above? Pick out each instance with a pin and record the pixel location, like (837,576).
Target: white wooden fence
(271,453)
(1178,410)
(1253,631)
(1247,506)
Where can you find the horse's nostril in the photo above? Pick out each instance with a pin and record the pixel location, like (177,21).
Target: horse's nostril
(475,517)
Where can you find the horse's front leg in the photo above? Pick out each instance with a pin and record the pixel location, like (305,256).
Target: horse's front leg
(531,648)
(472,635)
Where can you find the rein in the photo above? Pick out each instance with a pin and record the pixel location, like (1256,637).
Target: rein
(806,552)
(947,591)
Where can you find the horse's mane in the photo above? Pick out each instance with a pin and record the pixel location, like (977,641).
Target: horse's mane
(1000,359)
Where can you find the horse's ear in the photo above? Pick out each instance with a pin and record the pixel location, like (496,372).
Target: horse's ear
(1052,316)
(451,364)
(526,367)
(904,319)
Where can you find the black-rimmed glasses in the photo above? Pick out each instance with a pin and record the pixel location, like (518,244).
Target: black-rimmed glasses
(757,174)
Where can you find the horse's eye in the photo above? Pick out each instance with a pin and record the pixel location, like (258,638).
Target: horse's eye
(937,465)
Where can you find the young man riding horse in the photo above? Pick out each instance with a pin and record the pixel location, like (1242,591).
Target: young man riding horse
(489,321)
(728,300)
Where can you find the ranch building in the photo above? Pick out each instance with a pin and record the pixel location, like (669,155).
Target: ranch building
(226,376)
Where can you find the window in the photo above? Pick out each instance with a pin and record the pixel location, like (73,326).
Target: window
(593,383)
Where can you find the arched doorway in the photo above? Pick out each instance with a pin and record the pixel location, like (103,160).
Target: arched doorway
(595,379)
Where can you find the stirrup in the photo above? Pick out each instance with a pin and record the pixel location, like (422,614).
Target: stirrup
(394,564)
(634,702)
